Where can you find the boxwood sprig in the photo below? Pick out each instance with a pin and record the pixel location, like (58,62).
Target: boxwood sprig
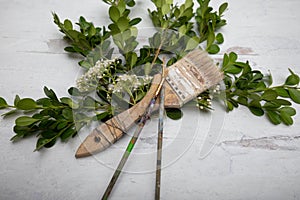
(51,118)
(253,89)
(208,23)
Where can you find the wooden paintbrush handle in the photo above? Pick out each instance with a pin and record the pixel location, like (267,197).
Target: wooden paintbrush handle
(110,131)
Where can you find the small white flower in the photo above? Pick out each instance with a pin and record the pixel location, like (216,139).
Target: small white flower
(89,80)
(130,82)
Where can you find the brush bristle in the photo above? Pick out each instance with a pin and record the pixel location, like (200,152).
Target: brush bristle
(192,75)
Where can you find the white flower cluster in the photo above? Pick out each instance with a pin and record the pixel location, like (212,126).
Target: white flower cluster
(129,83)
(124,83)
(204,102)
(89,80)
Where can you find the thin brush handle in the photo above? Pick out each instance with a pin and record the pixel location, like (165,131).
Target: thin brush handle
(159,144)
(127,153)
(132,142)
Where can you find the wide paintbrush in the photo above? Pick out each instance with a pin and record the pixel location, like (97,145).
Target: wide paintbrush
(186,79)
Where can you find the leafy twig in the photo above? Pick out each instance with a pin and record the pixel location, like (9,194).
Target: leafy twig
(253,89)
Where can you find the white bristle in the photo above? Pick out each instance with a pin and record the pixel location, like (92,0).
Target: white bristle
(193,74)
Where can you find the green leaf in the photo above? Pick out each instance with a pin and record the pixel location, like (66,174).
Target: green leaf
(100,116)
(282,102)
(51,143)
(213,49)
(66,100)
(73,34)
(256,111)
(69,102)
(67,134)
(3,103)
(90,102)
(255,96)
(174,113)
(121,6)
(268,79)
(219,38)
(292,80)
(62,125)
(133,59)
(114,29)
(135,21)
(289,110)
(147,68)
(75,92)
(67,113)
(48,134)
(114,13)
(295,95)
(70,49)
(282,92)
(222,8)
(123,24)
(255,108)
(156,40)
(50,93)
(257,77)
(16,100)
(130,3)
(68,24)
(16,137)
(232,69)
(21,130)
(158,3)
(165,9)
(134,32)
(261,86)
(42,142)
(187,3)
(225,60)
(229,105)
(210,38)
(274,117)
(271,105)
(45,102)
(25,121)
(233,56)
(242,100)
(269,95)
(246,67)
(26,104)
(255,103)
(92,31)
(286,118)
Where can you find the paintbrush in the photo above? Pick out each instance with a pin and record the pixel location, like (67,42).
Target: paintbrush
(134,138)
(159,141)
(186,79)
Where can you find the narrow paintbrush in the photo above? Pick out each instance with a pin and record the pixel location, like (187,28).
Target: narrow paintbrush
(133,140)
(159,141)
(186,79)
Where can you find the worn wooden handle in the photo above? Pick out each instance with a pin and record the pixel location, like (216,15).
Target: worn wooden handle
(110,131)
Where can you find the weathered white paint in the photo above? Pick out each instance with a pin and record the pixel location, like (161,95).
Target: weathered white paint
(252,159)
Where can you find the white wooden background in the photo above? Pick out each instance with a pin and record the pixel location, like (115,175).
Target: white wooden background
(252,158)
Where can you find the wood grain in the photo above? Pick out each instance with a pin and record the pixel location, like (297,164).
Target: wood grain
(233,170)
